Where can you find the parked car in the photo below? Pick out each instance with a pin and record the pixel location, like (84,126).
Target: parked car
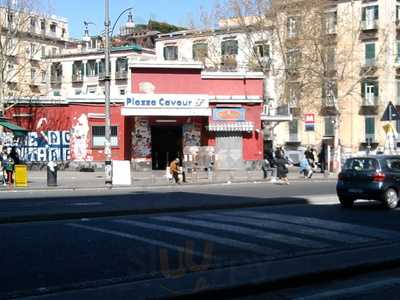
(371,177)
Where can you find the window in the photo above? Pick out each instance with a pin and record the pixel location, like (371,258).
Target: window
(293,26)
(262,50)
(330,58)
(171,53)
(397,92)
(122,91)
(33,74)
(370,92)
(53,27)
(330,126)
(63,32)
(200,51)
(33,49)
(43,25)
(293,93)
(294,130)
(369,129)
(329,92)
(369,16)
(53,51)
(91,68)
(370,54)
(331,22)
(397,12)
(44,76)
(293,59)
(393,164)
(43,51)
(229,47)
(33,24)
(397,58)
(56,93)
(91,89)
(99,133)
(361,164)
(10,18)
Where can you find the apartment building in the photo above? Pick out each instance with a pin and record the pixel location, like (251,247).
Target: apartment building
(358,72)
(27,38)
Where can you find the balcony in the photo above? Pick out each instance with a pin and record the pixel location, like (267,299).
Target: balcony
(77,78)
(370,100)
(228,63)
(369,67)
(332,29)
(369,25)
(55,79)
(121,75)
(102,76)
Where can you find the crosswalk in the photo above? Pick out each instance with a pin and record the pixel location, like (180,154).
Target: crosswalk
(244,231)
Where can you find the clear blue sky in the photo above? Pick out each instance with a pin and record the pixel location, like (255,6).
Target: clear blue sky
(178,12)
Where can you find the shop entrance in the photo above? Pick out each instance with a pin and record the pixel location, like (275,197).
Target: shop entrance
(166,145)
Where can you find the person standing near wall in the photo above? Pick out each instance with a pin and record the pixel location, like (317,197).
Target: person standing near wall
(9,167)
(174,169)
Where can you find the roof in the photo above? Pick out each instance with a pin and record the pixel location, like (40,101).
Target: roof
(17,130)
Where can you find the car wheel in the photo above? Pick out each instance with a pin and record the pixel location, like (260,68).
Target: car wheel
(391,198)
(346,202)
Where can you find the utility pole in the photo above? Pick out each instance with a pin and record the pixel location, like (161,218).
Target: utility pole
(107,81)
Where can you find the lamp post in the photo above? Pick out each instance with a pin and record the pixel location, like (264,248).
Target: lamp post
(107,84)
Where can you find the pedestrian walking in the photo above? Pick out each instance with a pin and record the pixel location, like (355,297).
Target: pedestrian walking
(9,167)
(266,167)
(305,168)
(3,174)
(322,158)
(282,168)
(174,169)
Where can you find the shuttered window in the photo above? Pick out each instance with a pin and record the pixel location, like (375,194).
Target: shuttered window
(99,133)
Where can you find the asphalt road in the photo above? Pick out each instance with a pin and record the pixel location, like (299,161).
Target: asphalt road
(165,254)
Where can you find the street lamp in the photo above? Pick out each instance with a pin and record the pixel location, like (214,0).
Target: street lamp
(107,83)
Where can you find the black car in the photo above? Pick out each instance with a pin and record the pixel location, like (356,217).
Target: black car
(370,177)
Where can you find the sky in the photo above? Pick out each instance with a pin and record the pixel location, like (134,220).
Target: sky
(177,12)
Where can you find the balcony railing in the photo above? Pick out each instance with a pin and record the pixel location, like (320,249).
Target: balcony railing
(369,25)
(294,137)
(228,63)
(102,75)
(370,62)
(121,74)
(77,77)
(331,29)
(329,102)
(370,100)
(55,78)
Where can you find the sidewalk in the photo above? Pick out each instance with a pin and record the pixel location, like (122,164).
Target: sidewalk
(37,180)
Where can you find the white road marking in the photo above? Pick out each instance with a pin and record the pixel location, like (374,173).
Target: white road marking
(353,291)
(320,223)
(260,234)
(138,238)
(296,229)
(87,203)
(205,236)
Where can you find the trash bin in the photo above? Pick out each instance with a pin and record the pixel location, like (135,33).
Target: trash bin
(51,174)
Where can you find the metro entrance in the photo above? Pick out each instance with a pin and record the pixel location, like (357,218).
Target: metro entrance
(166,145)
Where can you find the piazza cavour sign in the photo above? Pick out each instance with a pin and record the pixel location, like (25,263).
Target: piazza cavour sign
(166,105)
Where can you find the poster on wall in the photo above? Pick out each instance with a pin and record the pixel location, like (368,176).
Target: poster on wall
(80,142)
(191,135)
(141,139)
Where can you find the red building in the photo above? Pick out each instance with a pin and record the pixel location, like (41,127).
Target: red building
(172,109)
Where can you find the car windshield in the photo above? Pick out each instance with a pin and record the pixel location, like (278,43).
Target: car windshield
(393,164)
(361,164)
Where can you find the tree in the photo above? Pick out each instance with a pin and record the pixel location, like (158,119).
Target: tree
(22,70)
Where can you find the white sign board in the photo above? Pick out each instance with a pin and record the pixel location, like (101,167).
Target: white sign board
(121,172)
(166,105)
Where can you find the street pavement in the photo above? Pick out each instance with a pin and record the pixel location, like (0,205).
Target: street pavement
(220,254)
(37,180)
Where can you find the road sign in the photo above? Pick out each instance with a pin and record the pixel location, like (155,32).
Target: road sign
(391,113)
(309,122)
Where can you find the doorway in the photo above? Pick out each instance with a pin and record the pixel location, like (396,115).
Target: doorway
(166,145)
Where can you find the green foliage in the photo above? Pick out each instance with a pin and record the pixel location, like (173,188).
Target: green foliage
(163,27)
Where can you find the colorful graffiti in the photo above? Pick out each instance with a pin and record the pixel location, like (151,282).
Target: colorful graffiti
(141,139)
(45,146)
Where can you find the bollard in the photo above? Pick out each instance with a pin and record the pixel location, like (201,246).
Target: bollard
(51,174)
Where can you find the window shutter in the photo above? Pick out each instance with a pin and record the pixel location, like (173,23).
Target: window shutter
(96,68)
(369,125)
(364,14)
(82,69)
(363,85)
(376,88)
(87,69)
(165,53)
(376,12)
(369,51)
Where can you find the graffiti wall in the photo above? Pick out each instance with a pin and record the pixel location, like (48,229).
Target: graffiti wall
(141,139)
(46,146)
